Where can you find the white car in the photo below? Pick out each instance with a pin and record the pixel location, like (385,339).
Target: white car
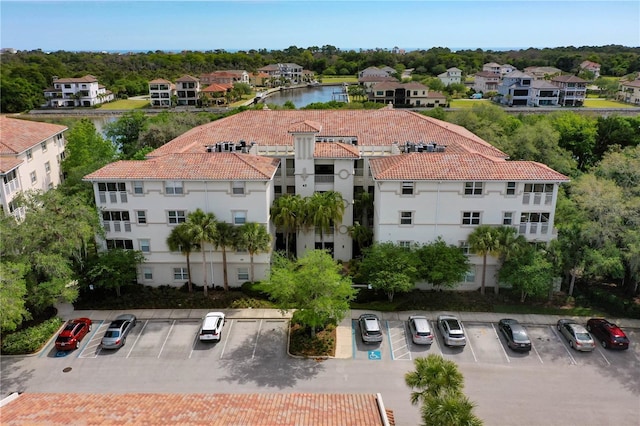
(211,328)
(420,330)
(452,331)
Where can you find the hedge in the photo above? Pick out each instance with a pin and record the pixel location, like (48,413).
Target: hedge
(30,339)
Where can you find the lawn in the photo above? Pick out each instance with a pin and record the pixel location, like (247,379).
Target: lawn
(331,79)
(468,103)
(605,103)
(125,104)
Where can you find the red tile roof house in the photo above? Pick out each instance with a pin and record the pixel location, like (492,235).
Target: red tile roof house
(429,178)
(267,409)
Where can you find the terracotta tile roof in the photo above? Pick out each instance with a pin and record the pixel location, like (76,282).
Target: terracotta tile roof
(215,87)
(335,150)
(192,166)
(268,409)
(448,166)
(86,79)
(305,127)
(371,128)
(17,135)
(634,83)
(160,80)
(8,163)
(187,77)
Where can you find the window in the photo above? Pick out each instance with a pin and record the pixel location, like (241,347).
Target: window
(243,274)
(405,244)
(407,188)
(176,216)
(117,219)
(112,189)
(291,189)
(507,218)
(406,218)
(141,217)
(145,246)
(473,188)
(511,188)
(536,192)
(172,187)
(29,155)
(180,274)
(33,177)
(470,275)
(238,188)
(471,218)
(120,243)
(534,223)
(47,167)
(43,146)
(138,187)
(147,273)
(465,247)
(239,217)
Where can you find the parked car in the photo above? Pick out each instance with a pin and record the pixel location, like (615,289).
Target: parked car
(116,335)
(420,330)
(515,334)
(577,336)
(73,333)
(451,330)
(211,328)
(370,329)
(608,334)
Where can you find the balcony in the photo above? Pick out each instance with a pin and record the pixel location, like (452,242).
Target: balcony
(325,178)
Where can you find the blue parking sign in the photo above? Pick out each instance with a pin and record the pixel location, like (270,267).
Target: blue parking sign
(375,355)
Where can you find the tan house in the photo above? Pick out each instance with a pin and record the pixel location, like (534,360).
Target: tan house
(214,94)
(225,77)
(629,91)
(591,66)
(160,93)
(486,81)
(542,73)
(188,90)
(405,94)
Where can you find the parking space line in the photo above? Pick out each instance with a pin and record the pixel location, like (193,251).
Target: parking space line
(138,338)
(536,351)
(228,333)
(602,354)
(255,346)
(500,343)
(564,345)
(469,343)
(390,342)
(193,345)
(166,338)
(88,337)
(353,338)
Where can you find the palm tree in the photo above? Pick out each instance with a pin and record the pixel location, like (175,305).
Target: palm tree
(483,241)
(255,238)
(362,235)
(509,243)
(324,209)
(226,236)
(433,375)
(449,409)
(363,203)
(202,228)
(286,214)
(181,240)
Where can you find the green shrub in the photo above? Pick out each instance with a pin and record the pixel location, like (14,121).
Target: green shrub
(250,289)
(30,339)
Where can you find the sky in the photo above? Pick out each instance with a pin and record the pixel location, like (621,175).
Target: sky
(149,25)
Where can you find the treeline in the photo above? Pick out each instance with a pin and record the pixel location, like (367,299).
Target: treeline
(25,74)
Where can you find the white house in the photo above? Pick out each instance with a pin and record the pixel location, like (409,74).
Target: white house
(30,156)
(451,76)
(429,178)
(73,92)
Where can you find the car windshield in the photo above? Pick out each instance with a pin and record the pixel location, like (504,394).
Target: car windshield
(520,336)
(69,327)
(583,336)
(112,333)
(453,324)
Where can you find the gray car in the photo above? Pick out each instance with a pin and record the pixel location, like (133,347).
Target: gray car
(116,335)
(370,330)
(577,336)
(451,330)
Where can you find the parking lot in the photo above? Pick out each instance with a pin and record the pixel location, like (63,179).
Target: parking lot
(178,339)
(486,345)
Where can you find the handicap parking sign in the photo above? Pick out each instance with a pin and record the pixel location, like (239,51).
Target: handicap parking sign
(375,355)
(61,354)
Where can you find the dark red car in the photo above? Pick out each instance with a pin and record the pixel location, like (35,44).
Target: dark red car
(73,333)
(608,334)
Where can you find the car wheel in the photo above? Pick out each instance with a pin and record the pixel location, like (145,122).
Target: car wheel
(76,346)
(588,327)
(604,344)
(124,340)
(571,344)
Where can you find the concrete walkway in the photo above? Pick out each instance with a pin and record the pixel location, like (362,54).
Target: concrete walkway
(344,338)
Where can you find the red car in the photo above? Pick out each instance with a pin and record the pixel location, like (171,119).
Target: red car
(608,334)
(73,333)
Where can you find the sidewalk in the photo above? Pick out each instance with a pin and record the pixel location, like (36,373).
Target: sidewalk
(344,338)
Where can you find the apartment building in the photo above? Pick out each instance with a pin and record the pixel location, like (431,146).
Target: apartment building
(429,179)
(161,92)
(405,94)
(573,90)
(188,90)
(30,156)
(76,92)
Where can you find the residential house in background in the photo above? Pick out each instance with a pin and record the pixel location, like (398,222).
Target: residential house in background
(629,91)
(76,92)
(429,179)
(497,68)
(288,71)
(591,66)
(225,77)
(214,94)
(375,72)
(368,81)
(259,79)
(486,81)
(573,90)
(161,92)
(187,90)
(30,157)
(451,76)
(542,73)
(543,93)
(515,89)
(405,94)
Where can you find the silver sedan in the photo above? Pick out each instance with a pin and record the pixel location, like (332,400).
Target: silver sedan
(116,335)
(577,336)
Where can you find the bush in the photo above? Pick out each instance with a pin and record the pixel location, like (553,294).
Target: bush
(607,299)
(250,289)
(30,339)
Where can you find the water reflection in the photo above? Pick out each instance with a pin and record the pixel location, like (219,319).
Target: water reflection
(308,95)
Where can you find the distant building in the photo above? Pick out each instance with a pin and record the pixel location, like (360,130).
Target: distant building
(629,91)
(76,92)
(405,94)
(30,157)
(188,90)
(540,73)
(225,77)
(573,90)
(160,92)
(451,76)
(593,67)
(503,69)
(373,72)
(289,71)
(486,81)
(214,94)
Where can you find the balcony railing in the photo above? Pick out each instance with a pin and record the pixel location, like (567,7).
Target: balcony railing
(324,178)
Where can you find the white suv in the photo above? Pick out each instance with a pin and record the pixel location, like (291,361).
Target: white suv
(451,330)
(211,328)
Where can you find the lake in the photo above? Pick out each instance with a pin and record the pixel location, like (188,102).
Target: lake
(307,95)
